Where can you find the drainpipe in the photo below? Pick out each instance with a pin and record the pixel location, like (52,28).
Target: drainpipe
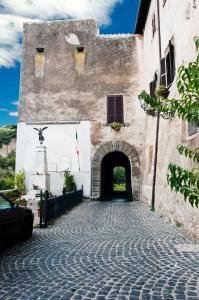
(158,114)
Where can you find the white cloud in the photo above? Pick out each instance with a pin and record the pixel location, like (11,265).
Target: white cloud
(3,109)
(15,103)
(13,114)
(13,13)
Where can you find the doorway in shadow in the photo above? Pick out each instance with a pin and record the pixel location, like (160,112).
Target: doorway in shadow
(115,177)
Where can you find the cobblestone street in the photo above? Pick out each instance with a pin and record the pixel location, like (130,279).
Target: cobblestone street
(110,250)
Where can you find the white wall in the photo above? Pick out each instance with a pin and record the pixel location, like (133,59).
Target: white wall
(60,140)
(179,22)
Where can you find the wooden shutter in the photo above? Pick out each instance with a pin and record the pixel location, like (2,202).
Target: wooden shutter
(115,109)
(163,80)
(192,128)
(153,85)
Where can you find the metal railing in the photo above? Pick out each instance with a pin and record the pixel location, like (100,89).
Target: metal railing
(55,206)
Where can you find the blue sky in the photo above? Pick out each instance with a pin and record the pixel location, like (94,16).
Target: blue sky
(114,16)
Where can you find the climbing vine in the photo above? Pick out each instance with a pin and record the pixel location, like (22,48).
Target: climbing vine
(181,180)
(7,133)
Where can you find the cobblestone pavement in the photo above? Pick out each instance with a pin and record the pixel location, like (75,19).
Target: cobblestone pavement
(102,251)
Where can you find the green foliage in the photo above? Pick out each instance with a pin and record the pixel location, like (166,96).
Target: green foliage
(190,153)
(19,181)
(116,126)
(186,182)
(7,133)
(187,107)
(8,162)
(69,183)
(7,166)
(119,187)
(119,174)
(7,183)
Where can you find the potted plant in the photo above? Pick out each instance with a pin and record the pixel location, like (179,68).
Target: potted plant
(116,126)
(162,91)
(69,184)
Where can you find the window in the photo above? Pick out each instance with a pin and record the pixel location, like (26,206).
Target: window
(168,67)
(39,63)
(153,85)
(80,49)
(192,128)
(115,109)
(153,25)
(40,50)
(4,204)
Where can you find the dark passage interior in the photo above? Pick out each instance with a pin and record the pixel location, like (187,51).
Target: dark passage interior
(108,190)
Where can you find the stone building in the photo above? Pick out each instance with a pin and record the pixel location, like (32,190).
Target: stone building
(78,82)
(179,23)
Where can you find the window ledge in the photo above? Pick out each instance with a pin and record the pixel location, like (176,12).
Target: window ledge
(122,125)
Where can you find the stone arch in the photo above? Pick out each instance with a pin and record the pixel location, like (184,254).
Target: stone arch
(130,152)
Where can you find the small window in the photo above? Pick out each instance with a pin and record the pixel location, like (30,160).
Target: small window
(153,25)
(115,109)
(80,49)
(192,128)
(40,50)
(4,204)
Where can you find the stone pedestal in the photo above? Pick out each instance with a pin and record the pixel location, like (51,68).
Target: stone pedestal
(40,179)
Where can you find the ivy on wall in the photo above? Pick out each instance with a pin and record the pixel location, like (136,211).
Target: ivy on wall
(7,133)
(181,180)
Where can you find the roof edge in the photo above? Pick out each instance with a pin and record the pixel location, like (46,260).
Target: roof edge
(143,11)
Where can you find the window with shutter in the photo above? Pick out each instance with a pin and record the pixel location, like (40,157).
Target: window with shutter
(163,80)
(192,128)
(164,2)
(115,109)
(153,85)
(168,67)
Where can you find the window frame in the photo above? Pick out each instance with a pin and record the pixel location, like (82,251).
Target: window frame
(121,121)
(168,67)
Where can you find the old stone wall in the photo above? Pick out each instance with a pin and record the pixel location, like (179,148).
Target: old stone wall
(6,149)
(59,83)
(179,23)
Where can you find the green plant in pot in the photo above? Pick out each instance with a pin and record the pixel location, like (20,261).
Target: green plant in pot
(69,184)
(20,181)
(116,126)
(162,91)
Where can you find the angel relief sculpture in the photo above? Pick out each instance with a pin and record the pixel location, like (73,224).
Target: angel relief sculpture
(40,134)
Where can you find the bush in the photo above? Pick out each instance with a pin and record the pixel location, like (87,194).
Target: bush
(19,181)
(69,183)
(7,183)
(7,133)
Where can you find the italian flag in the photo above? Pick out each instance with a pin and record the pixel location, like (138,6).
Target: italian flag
(77,149)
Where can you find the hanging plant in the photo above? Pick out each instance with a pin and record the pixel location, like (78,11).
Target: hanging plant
(162,91)
(116,126)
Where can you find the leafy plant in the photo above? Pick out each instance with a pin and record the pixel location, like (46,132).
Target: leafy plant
(187,107)
(116,126)
(69,183)
(19,181)
(7,133)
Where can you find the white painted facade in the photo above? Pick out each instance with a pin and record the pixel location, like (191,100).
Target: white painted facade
(61,146)
(179,23)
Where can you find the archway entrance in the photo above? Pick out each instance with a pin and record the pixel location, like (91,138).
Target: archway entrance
(123,155)
(115,176)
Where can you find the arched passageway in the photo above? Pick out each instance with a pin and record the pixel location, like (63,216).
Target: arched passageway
(106,157)
(107,188)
